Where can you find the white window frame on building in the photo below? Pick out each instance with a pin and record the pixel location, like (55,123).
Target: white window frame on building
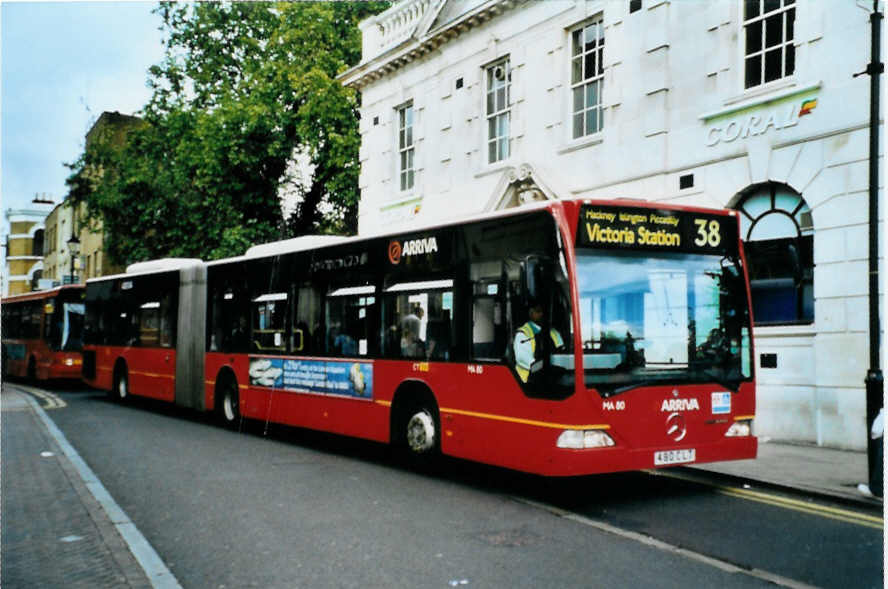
(498,110)
(406,146)
(587,78)
(768,37)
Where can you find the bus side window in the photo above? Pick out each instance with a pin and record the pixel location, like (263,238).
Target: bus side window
(307,336)
(351,314)
(418,319)
(269,312)
(167,322)
(229,329)
(488,327)
(149,324)
(49,315)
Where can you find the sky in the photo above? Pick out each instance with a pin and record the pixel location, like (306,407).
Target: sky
(63,64)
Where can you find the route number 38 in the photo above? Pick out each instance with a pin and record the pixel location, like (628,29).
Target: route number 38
(707,233)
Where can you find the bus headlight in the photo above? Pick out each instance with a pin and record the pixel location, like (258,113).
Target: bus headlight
(69,362)
(579,439)
(740,428)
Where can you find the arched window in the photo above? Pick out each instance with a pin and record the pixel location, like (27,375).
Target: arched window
(35,279)
(37,243)
(778,235)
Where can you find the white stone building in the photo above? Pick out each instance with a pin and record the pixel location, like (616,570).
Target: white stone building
(470,106)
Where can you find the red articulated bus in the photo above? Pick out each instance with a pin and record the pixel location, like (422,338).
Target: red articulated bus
(569,338)
(42,334)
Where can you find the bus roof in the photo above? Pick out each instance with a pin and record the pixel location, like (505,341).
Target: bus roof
(296,244)
(162,265)
(151,267)
(312,242)
(42,294)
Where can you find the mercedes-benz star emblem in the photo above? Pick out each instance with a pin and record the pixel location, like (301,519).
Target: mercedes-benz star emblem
(675,427)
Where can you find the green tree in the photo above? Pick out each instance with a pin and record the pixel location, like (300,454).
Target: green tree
(244,91)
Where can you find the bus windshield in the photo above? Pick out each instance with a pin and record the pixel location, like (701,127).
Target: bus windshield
(66,327)
(657,318)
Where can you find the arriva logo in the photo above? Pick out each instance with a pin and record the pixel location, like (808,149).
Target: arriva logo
(413,247)
(680,405)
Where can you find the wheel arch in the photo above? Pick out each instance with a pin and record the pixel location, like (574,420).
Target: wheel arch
(225,374)
(120,367)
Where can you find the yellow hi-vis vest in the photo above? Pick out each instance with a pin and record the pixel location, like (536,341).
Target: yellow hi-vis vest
(528,331)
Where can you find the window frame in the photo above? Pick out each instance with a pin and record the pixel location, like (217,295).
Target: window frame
(578,59)
(499,112)
(785,45)
(406,146)
(804,247)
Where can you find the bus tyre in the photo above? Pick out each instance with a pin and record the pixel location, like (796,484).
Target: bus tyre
(420,435)
(121,385)
(228,403)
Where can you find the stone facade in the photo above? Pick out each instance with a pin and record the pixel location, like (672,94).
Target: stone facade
(24,248)
(56,257)
(658,100)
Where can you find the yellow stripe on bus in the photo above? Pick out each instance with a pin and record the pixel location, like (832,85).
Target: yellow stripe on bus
(511,419)
(154,375)
(524,421)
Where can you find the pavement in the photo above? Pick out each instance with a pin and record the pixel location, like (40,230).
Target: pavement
(803,468)
(55,512)
(59,526)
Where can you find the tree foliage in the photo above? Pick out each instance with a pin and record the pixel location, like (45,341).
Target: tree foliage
(244,90)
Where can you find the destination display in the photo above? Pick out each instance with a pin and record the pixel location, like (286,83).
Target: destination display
(618,227)
(350,379)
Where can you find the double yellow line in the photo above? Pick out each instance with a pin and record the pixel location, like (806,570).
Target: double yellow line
(844,515)
(836,513)
(50,400)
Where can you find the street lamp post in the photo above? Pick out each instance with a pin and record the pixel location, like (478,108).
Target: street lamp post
(73,251)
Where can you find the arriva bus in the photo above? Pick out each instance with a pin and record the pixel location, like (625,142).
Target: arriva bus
(568,338)
(42,334)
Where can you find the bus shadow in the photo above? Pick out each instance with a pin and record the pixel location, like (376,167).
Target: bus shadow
(589,495)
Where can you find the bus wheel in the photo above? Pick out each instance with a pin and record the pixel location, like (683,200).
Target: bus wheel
(418,435)
(421,432)
(228,403)
(121,385)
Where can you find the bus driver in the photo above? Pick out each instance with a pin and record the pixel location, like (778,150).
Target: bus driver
(525,345)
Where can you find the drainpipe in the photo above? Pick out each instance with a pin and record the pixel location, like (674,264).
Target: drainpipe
(874,379)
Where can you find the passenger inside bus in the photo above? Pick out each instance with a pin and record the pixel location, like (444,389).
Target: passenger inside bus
(412,345)
(438,331)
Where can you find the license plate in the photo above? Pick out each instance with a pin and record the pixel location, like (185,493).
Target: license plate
(674,456)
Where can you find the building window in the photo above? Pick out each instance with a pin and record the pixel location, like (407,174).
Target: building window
(406,150)
(778,234)
(587,78)
(498,110)
(769,30)
(37,245)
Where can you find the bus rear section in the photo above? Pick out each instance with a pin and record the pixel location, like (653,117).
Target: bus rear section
(663,355)
(42,334)
(144,330)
